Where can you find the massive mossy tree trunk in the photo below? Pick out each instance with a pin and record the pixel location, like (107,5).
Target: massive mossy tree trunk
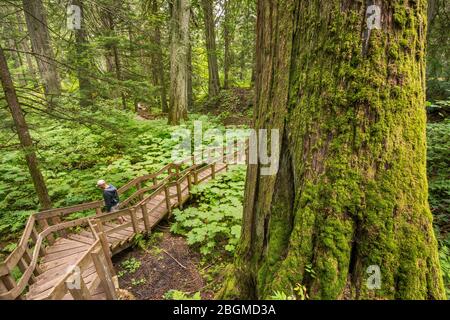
(210,34)
(24,135)
(179,56)
(351,190)
(36,20)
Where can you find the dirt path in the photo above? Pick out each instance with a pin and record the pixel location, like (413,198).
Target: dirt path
(160,271)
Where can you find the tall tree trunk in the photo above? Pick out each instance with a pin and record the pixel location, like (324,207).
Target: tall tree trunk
(179,52)
(432,10)
(23,133)
(158,60)
(190,91)
(112,56)
(227,45)
(24,46)
(119,74)
(83,60)
(210,34)
(36,20)
(351,190)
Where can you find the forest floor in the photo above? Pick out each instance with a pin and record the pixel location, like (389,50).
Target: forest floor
(233,106)
(167,263)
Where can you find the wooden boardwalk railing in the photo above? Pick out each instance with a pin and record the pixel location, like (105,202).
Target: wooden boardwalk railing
(59,258)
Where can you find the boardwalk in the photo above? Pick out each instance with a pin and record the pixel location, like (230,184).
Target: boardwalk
(61,258)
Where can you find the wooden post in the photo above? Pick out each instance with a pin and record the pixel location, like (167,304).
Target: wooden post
(8,281)
(195,177)
(179,195)
(43,224)
(139,187)
(34,236)
(155,181)
(167,196)
(98,227)
(81,293)
(21,264)
(213,170)
(145,216)
(104,275)
(189,182)
(28,256)
(37,269)
(3,288)
(134,220)
(98,211)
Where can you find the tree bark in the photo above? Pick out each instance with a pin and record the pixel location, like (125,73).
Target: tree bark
(83,62)
(432,10)
(23,133)
(227,45)
(112,55)
(179,52)
(158,61)
(189,81)
(24,46)
(210,38)
(351,189)
(36,20)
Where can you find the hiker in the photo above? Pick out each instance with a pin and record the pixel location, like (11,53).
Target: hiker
(110,196)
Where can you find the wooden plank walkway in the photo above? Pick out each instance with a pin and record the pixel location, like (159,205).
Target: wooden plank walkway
(76,262)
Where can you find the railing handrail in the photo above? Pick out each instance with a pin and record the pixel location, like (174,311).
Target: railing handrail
(60,286)
(12,260)
(14,257)
(23,281)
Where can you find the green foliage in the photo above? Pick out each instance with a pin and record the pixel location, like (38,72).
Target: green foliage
(299,290)
(214,222)
(144,242)
(138,282)
(73,156)
(279,295)
(131,265)
(438,169)
(438,52)
(180,295)
(444,257)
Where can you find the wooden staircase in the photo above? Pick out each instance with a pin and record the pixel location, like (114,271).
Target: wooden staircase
(68,259)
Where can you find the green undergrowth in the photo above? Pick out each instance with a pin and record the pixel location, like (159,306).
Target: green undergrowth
(180,295)
(116,147)
(438,169)
(213,222)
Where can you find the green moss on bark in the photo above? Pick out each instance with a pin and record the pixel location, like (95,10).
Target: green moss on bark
(352,117)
